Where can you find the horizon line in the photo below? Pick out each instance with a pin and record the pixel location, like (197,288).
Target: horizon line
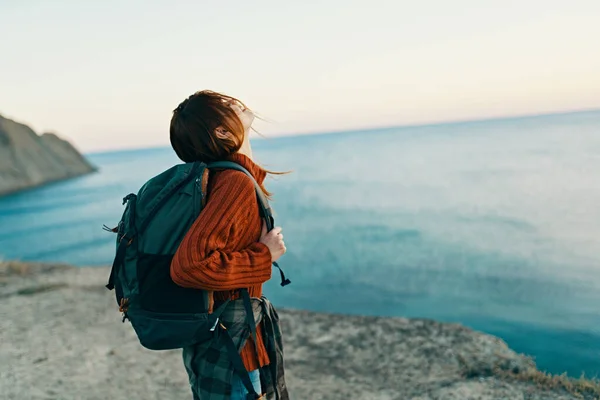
(381,128)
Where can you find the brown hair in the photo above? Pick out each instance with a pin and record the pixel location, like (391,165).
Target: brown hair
(194,124)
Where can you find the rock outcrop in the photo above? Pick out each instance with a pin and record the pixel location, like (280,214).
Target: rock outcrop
(28,160)
(61,337)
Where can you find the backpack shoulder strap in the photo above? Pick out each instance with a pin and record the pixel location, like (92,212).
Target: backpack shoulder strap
(263,203)
(266,213)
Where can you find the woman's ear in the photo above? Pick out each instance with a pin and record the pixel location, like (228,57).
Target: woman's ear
(221,133)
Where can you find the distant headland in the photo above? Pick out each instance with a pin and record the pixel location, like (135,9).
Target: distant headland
(28,160)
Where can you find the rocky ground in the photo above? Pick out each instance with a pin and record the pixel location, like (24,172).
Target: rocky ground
(61,338)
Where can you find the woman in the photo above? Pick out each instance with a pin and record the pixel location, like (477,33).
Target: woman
(227,248)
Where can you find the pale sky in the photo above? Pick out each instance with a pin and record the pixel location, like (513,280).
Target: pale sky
(107,74)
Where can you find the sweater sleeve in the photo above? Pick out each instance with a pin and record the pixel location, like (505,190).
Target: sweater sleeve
(203,259)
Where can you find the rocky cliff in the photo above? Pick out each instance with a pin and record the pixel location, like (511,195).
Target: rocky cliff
(28,160)
(61,337)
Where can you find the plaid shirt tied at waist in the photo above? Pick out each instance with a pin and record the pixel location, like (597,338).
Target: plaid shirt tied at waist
(209,366)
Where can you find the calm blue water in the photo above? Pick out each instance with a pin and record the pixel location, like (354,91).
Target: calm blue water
(492,224)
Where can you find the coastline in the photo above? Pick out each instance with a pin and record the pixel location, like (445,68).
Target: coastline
(62,338)
(39,185)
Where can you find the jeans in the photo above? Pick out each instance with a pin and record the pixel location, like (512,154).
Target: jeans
(238,390)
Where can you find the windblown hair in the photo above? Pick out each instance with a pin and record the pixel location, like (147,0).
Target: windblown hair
(194,125)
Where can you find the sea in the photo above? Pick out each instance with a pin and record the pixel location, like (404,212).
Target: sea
(493,224)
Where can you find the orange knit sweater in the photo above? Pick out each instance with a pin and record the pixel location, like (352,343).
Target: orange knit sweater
(221,252)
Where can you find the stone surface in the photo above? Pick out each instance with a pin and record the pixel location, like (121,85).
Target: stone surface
(61,337)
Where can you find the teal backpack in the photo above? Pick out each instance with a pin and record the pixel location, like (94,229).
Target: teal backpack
(155,220)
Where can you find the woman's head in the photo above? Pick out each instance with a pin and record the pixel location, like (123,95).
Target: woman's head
(209,126)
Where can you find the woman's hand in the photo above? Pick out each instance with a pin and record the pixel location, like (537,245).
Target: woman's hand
(274,241)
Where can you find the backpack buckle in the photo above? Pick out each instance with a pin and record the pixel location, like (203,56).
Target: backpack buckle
(124,305)
(215,325)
